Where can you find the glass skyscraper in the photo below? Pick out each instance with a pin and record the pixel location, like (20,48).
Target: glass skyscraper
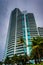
(22,24)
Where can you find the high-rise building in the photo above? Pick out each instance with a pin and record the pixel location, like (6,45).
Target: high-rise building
(40,30)
(22,24)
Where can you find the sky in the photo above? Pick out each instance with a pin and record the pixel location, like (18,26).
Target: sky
(6,7)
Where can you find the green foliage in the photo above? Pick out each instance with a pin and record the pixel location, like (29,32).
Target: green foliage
(1,63)
(20,59)
(24,58)
(14,59)
(7,60)
(37,48)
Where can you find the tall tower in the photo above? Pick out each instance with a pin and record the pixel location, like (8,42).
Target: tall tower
(22,24)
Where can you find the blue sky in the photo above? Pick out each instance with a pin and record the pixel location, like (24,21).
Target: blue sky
(6,6)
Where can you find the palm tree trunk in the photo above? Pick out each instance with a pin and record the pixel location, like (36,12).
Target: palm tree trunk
(38,56)
(35,61)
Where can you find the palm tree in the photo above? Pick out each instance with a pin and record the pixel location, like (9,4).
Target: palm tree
(41,47)
(36,45)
